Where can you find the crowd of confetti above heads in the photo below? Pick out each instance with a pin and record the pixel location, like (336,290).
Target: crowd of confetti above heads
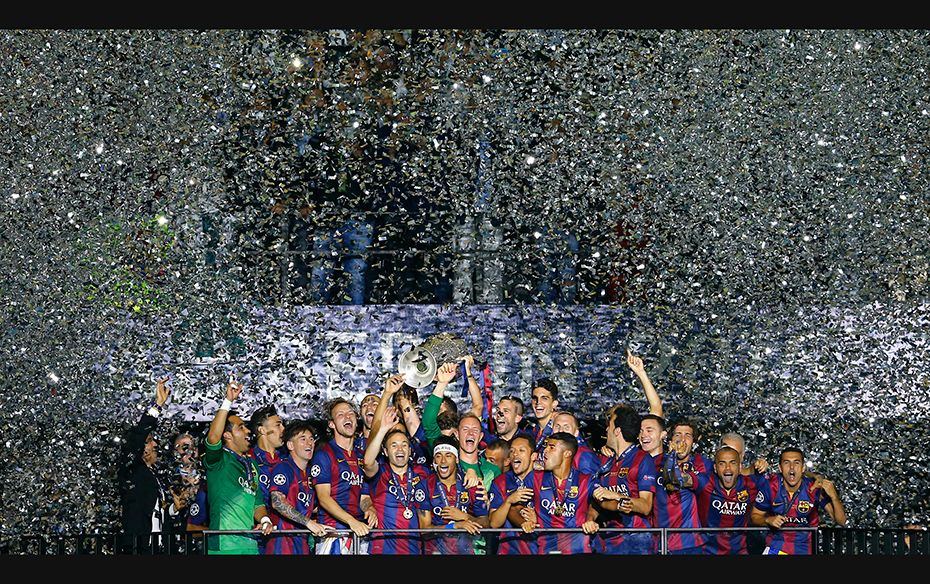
(758,198)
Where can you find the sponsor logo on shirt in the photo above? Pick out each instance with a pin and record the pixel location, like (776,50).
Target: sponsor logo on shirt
(730,507)
(351,478)
(246,486)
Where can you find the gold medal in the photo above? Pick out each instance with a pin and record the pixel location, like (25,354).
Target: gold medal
(408,514)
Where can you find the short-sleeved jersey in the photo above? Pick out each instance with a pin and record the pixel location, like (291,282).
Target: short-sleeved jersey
(265,461)
(803,510)
(391,495)
(291,481)
(199,512)
(455,495)
(586,460)
(233,498)
(631,473)
(562,506)
(720,507)
(679,508)
(512,542)
(341,470)
(540,433)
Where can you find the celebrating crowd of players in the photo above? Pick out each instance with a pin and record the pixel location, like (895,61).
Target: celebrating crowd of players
(386,471)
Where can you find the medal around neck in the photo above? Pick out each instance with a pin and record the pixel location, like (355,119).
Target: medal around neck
(420,364)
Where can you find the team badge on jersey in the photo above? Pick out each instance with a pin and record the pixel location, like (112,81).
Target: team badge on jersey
(804,506)
(573,492)
(743,496)
(315,471)
(623,472)
(463,497)
(279,479)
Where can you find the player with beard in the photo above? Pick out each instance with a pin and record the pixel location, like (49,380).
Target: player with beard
(794,500)
(367,408)
(677,507)
(627,486)
(267,428)
(507,417)
(509,495)
(725,500)
(338,482)
(292,497)
(399,497)
(453,506)
(234,495)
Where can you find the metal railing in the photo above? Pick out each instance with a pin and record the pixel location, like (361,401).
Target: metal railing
(826,540)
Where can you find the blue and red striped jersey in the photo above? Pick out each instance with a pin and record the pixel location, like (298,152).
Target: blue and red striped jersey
(512,542)
(719,507)
(265,461)
(679,508)
(631,473)
(341,470)
(455,495)
(199,513)
(539,436)
(562,506)
(288,479)
(586,460)
(391,496)
(801,511)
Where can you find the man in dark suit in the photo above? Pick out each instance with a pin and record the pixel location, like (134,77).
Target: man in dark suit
(141,494)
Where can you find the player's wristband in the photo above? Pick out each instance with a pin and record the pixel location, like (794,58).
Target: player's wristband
(154,410)
(450,525)
(265,520)
(227,405)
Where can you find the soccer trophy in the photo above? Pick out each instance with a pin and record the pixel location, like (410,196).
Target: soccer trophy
(420,364)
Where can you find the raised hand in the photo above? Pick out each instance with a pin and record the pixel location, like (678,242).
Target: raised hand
(161,392)
(446,372)
(635,363)
(389,418)
(233,389)
(393,384)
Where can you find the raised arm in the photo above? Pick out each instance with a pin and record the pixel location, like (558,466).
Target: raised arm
(430,427)
(652,396)
(835,506)
(218,425)
(388,419)
(477,402)
(391,386)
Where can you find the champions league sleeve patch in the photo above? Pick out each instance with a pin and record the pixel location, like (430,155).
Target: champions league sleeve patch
(279,479)
(195,509)
(760,497)
(420,496)
(315,471)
